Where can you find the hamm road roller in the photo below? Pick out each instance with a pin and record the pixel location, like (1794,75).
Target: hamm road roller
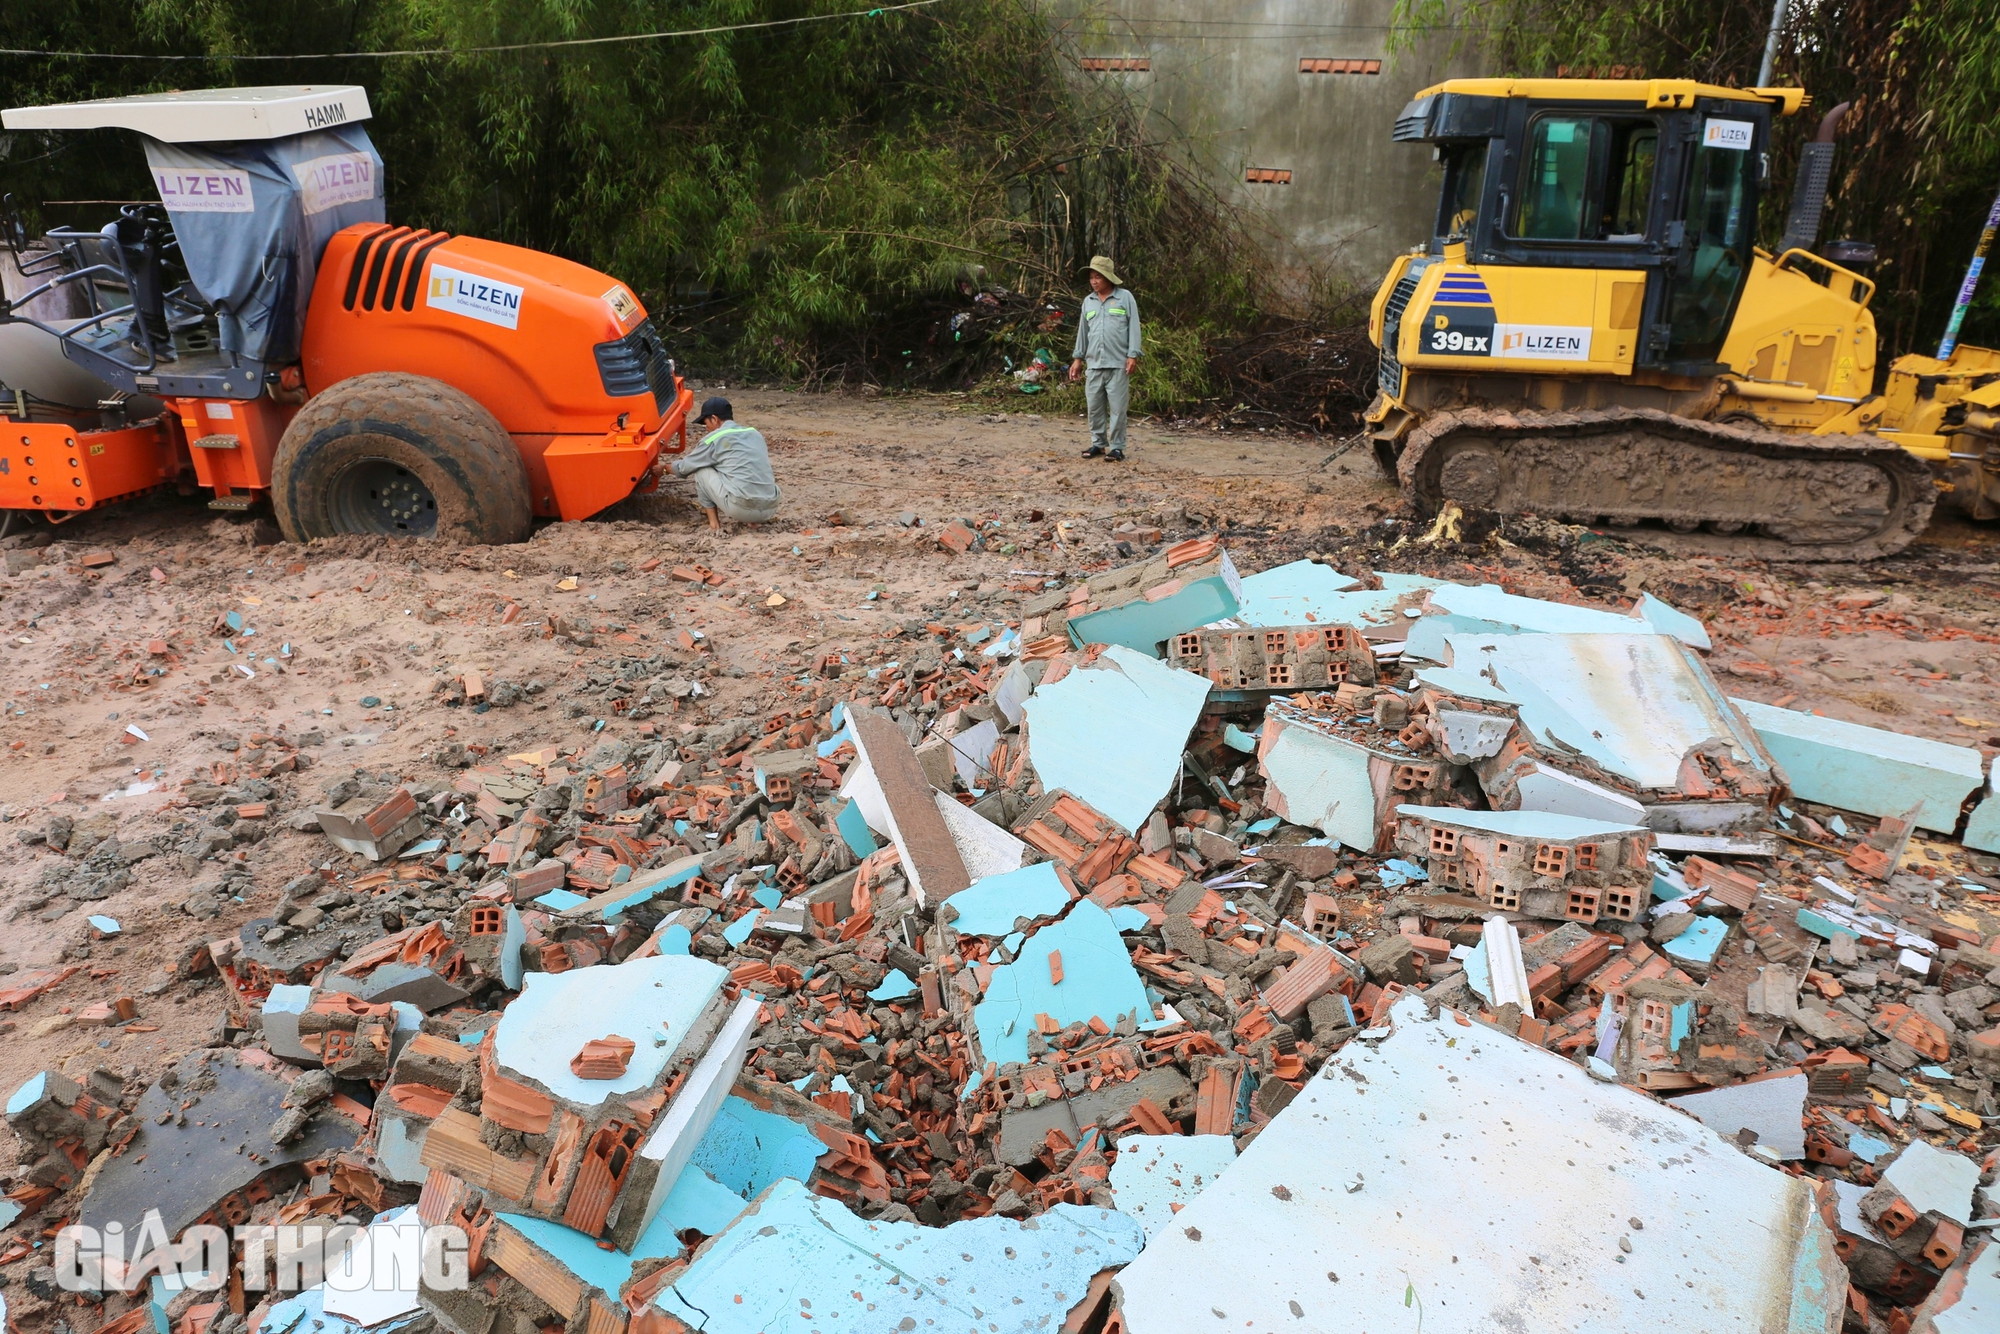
(264,333)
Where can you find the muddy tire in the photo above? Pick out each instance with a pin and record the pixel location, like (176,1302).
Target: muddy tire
(400,456)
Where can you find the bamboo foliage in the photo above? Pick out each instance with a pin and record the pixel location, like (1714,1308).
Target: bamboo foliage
(803,199)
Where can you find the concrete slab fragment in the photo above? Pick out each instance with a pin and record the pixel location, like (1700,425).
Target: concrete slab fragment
(1868,769)
(1634,703)
(1098,981)
(1015,686)
(795,1254)
(697,1201)
(895,986)
(376,1308)
(854,830)
(1456,609)
(1506,972)
(399,1149)
(993,903)
(399,981)
(1671,620)
(1982,827)
(1504,1208)
(183,1170)
(513,936)
(1512,613)
(1112,733)
(643,888)
(1525,824)
(281,1012)
(1467,685)
(1142,625)
(1544,789)
(30,1093)
(1300,593)
(899,801)
(1323,781)
(746,1149)
(1024,1130)
(972,749)
(375,1279)
(1770,1107)
(640,999)
(1472,736)
(1934,1180)
(1700,942)
(1398,581)
(984,848)
(1154,1173)
(1972,1309)
(678,1132)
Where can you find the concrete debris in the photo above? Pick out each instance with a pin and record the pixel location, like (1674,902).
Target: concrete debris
(1301,657)
(1484,609)
(1158,1175)
(200,1147)
(1069,972)
(1867,769)
(1112,730)
(1307,592)
(1587,1204)
(792,1253)
(1139,606)
(1765,1111)
(1136,964)
(1639,715)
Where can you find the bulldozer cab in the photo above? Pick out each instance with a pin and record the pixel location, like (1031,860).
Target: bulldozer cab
(204,293)
(1661,177)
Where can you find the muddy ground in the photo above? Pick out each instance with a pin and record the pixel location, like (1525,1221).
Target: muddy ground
(341,655)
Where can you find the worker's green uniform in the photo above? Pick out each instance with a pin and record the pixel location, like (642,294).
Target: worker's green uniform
(1106,334)
(731,468)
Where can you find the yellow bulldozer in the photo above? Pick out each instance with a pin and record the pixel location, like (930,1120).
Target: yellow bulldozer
(1591,332)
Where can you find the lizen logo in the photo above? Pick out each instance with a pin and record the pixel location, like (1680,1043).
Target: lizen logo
(214,190)
(478,297)
(1737,135)
(336,179)
(1542,342)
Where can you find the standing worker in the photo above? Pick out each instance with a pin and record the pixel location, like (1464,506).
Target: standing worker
(731,468)
(1107,352)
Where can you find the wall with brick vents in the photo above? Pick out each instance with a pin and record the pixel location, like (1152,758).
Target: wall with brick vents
(1287,106)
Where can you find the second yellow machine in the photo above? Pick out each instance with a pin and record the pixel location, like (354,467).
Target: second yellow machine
(1592,333)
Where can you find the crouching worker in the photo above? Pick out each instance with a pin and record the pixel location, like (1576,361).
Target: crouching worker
(730,468)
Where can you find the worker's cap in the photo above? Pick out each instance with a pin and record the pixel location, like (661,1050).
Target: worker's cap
(716,407)
(1102,264)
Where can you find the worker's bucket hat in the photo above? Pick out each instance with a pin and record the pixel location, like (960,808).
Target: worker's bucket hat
(1102,263)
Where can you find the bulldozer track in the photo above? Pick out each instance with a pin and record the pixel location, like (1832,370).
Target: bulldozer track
(1759,493)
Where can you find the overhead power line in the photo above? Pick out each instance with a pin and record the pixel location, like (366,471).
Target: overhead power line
(665,35)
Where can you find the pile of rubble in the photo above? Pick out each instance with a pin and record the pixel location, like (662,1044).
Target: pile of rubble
(1000,989)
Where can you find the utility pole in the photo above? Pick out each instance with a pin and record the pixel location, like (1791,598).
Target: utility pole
(1771,44)
(1971,283)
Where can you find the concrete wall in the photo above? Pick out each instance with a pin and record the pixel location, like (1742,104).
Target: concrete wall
(1225,80)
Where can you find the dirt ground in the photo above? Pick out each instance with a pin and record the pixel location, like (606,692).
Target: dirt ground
(340,655)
